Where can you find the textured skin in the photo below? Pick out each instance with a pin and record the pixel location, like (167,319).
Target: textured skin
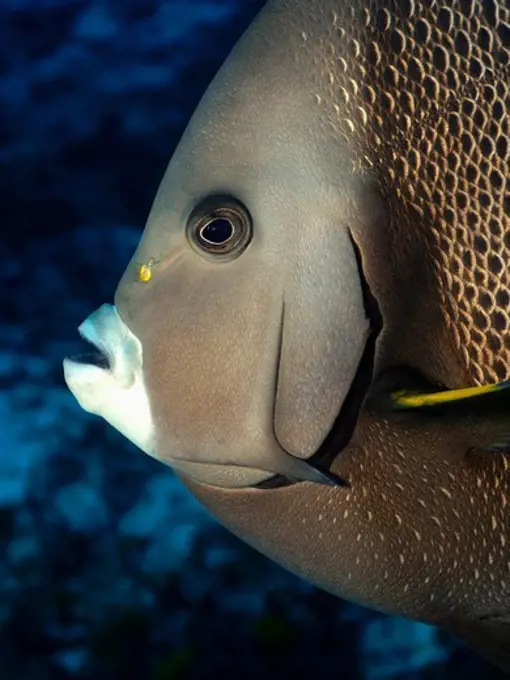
(423,91)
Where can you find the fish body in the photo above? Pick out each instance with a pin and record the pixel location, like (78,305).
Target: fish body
(338,203)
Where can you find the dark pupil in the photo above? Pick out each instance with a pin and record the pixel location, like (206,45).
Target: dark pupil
(218,231)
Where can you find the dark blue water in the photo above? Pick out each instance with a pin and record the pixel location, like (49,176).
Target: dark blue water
(108,567)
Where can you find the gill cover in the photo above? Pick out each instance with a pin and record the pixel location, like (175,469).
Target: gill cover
(324,334)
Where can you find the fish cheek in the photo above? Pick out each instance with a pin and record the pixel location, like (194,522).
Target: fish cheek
(209,339)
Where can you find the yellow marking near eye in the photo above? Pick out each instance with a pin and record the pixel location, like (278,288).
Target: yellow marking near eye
(405,399)
(144,271)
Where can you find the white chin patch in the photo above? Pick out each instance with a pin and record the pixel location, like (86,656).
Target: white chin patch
(116,393)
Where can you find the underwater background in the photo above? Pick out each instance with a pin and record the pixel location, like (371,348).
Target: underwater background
(109,569)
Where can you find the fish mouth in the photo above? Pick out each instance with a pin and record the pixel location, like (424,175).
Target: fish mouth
(94,358)
(113,349)
(97,356)
(109,381)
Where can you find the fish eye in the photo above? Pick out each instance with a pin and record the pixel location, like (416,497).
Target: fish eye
(220,227)
(217,232)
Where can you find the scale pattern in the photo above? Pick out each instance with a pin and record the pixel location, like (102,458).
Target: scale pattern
(422,94)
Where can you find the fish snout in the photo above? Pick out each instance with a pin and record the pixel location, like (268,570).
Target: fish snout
(110,382)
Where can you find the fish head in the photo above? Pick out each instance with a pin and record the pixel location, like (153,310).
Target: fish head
(240,318)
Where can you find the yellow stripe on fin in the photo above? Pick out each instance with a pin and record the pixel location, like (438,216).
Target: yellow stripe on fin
(409,399)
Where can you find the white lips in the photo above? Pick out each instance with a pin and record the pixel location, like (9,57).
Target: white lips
(117,394)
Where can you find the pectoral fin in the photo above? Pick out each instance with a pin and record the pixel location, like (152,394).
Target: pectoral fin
(409,399)
(487,407)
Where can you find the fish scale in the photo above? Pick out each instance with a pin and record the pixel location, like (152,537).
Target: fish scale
(424,90)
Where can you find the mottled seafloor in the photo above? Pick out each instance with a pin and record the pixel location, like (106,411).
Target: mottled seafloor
(108,567)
